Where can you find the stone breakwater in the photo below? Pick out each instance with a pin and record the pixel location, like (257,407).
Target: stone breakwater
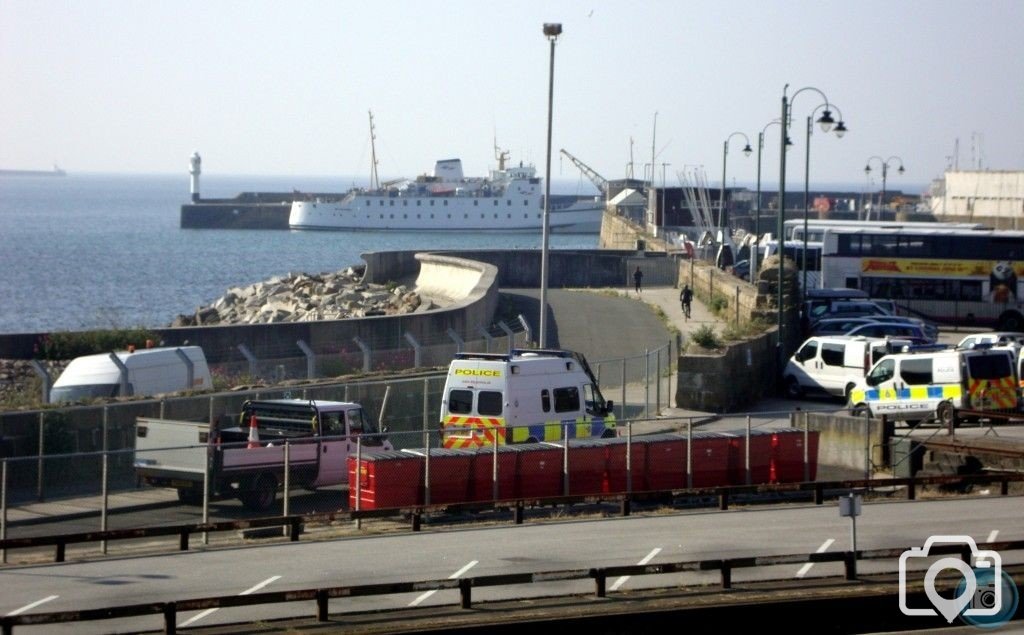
(302,297)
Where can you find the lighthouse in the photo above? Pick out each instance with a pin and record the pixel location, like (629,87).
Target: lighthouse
(195,169)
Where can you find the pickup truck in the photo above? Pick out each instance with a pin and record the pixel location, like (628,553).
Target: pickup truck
(244,453)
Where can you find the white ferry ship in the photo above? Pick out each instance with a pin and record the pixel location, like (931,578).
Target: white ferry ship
(509,199)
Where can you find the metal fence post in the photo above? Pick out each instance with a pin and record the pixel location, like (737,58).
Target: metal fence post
(426,468)
(494,470)
(359,478)
(737,306)
(629,457)
(104,478)
(287,483)
(689,453)
(565,459)
(657,387)
(206,496)
(807,451)
(509,334)
(426,405)
(746,452)
(417,350)
(622,404)
(3,508)
(647,383)
(867,444)
(42,451)
(310,359)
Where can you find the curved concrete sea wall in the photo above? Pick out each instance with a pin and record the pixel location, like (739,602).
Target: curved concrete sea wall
(467,291)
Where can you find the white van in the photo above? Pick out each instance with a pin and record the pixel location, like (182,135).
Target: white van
(916,386)
(147,371)
(525,396)
(833,364)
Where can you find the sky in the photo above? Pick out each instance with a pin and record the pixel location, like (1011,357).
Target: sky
(286,88)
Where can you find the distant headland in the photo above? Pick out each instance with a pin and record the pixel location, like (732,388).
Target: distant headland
(56,171)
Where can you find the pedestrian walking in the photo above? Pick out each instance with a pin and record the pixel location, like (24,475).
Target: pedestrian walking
(638,276)
(685,297)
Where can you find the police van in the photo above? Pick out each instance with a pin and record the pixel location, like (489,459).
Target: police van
(525,396)
(917,386)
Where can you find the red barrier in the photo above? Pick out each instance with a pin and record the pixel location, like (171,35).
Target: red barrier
(538,471)
(388,479)
(482,474)
(664,463)
(711,451)
(787,455)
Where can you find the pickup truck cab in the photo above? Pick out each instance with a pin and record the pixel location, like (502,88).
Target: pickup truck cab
(244,453)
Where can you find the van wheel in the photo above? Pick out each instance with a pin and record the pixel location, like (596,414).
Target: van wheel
(944,413)
(261,494)
(859,410)
(793,388)
(849,389)
(532,440)
(608,434)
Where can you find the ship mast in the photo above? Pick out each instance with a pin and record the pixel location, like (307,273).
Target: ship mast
(500,155)
(374,178)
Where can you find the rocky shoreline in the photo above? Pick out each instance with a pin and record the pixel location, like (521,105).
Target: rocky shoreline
(303,297)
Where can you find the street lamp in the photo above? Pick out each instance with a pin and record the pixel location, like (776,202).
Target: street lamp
(721,194)
(840,130)
(885,171)
(757,203)
(551,31)
(826,122)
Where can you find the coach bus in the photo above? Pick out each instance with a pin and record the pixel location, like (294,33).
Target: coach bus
(794,229)
(954,276)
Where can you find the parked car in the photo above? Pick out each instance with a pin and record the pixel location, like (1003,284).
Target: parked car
(905,331)
(994,338)
(930,329)
(838,325)
(741,269)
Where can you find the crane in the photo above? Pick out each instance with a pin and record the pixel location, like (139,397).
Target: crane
(599,181)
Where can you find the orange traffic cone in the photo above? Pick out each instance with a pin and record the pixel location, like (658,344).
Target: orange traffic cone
(254,433)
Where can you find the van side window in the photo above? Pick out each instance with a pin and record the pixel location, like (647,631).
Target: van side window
(545,400)
(460,402)
(916,372)
(488,403)
(832,354)
(567,399)
(808,351)
(883,371)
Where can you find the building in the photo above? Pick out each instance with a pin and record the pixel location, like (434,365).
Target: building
(992,197)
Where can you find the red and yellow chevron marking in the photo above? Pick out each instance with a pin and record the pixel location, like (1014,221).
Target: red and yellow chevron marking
(993,393)
(473,432)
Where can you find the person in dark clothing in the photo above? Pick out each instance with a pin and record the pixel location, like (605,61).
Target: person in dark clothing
(686,296)
(637,277)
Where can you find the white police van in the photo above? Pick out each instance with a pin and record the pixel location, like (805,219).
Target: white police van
(522,396)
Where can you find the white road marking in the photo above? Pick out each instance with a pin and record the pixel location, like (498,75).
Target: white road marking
(453,576)
(647,558)
(993,535)
(807,566)
(196,618)
(29,607)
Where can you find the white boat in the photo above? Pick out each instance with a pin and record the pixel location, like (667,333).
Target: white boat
(509,199)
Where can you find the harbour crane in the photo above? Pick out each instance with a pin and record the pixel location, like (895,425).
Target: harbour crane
(599,181)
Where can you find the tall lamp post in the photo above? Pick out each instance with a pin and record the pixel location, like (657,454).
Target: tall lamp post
(825,121)
(885,172)
(757,200)
(551,31)
(840,130)
(721,195)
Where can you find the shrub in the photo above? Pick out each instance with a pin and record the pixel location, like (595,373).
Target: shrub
(71,344)
(705,337)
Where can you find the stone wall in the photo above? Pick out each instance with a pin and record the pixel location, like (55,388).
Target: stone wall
(844,441)
(733,381)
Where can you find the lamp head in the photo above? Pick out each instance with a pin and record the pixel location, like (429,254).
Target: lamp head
(552,29)
(826,121)
(789,142)
(747,150)
(867,169)
(840,129)
(901,170)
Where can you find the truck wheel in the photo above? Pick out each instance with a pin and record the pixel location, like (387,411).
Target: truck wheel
(944,413)
(793,388)
(190,496)
(261,494)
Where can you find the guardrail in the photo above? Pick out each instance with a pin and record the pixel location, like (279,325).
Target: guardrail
(599,575)
(296,523)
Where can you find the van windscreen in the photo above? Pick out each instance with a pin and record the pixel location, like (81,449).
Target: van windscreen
(989,366)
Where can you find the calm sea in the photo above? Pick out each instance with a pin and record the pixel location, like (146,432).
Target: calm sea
(106,251)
